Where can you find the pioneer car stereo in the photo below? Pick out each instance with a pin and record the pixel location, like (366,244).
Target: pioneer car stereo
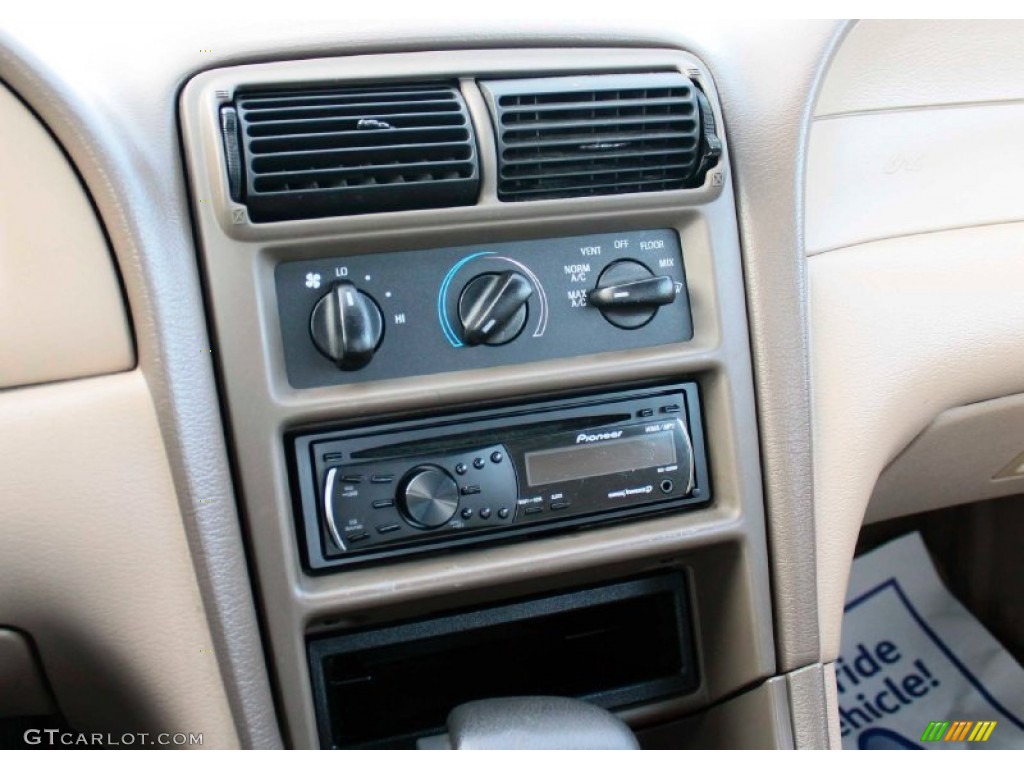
(382,491)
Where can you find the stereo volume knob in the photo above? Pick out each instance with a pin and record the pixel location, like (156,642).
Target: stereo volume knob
(492,307)
(629,294)
(428,496)
(347,326)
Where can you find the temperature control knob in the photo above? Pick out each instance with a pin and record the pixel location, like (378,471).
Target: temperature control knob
(428,496)
(629,294)
(347,326)
(492,307)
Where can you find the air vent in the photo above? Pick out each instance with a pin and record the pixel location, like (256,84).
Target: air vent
(316,151)
(597,135)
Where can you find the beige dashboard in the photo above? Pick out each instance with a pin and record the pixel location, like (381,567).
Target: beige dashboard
(856,320)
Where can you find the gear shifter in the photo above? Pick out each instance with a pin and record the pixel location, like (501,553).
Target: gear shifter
(532,722)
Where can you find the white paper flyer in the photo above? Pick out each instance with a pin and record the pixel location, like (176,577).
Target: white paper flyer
(916,670)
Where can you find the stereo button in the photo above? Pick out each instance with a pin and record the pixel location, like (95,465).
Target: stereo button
(557,505)
(382,479)
(361,536)
(470,490)
(673,408)
(388,528)
(466,513)
(503,513)
(461,469)
(533,510)
(352,478)
(383,503)
(496,457)
(485,513)
(478,463)
(428,496)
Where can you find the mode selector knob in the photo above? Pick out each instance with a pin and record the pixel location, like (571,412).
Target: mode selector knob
(347,326)
(629,294)
(493,308)
(428,496)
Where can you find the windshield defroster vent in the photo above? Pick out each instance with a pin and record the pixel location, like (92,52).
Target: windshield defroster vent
(315,151)
(597,135)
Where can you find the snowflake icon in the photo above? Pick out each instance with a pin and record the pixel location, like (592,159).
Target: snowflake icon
(312,279)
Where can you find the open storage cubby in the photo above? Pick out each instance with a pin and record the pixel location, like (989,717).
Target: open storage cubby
(616,645)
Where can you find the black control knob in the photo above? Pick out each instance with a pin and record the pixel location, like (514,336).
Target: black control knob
(493,308)
(347,326)
(629,294)
(428,496)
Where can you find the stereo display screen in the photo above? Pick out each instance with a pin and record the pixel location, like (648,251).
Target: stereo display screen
(605,457)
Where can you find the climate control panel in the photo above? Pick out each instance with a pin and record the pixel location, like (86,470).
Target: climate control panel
(367,317)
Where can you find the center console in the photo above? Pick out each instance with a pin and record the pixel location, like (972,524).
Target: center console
(480,325)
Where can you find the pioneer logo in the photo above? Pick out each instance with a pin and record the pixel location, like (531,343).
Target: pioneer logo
(582,438)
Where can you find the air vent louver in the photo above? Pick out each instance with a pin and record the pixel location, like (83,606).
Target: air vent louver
(595,135)
(329,151)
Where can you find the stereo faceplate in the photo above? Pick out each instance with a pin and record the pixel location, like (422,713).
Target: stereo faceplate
(374,492)
(451,309)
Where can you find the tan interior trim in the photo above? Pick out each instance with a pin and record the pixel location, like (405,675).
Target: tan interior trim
(61,309)
(757,719)
(901,330)
(966,454)
(125,146)
(808,706)
(892,64)
(93,538)
(835,736)
(1013,470)
(878,175)
(768,91)
(914,291)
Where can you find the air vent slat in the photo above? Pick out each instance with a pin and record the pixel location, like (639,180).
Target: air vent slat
(584,127)
(681,140)
(513,158)
(343,96)
(595,135)
(588,190)
(360,157)
(301,191)
(284,118)
(351,139)
(638,106)
(663,170)
(313,152)
(597,180)
(379,174)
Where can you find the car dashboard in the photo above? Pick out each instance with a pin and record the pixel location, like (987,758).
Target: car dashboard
(354,372)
